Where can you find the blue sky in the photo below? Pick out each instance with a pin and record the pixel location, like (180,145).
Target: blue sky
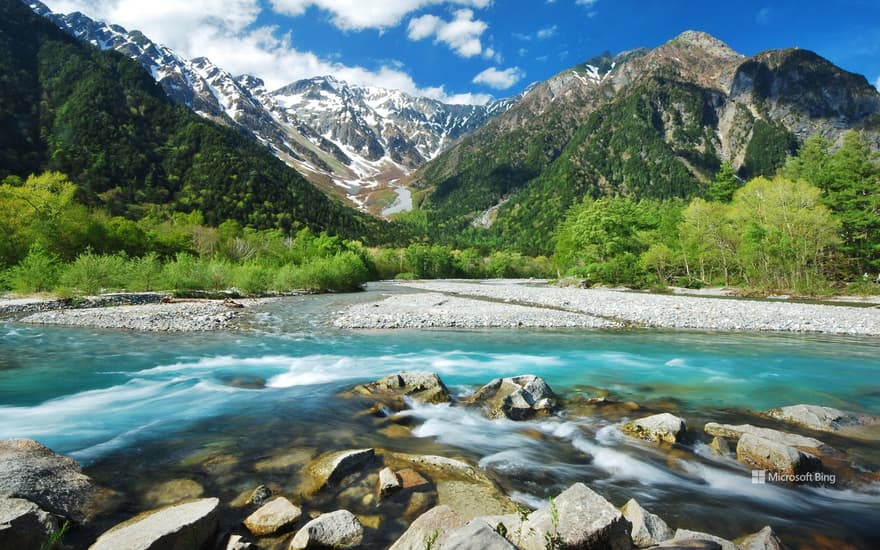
(471,50)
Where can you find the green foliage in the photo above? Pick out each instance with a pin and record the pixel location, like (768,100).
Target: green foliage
(101,119)
(850,179)
(37,272)
(615,240)
(93,273)
(55,539)
(725,183)
(768,149)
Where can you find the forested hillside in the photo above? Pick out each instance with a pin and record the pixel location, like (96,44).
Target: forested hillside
(101,119)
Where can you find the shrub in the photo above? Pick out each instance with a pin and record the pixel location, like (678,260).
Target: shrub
(37,272)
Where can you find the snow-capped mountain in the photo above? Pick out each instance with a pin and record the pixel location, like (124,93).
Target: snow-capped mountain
(351,139)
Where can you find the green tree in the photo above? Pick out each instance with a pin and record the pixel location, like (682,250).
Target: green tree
(725,183)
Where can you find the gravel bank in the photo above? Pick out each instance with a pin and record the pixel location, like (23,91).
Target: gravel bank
(173,317)
(628,308)
(434,310)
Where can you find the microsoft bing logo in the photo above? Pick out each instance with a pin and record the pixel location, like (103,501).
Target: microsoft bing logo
(759,477)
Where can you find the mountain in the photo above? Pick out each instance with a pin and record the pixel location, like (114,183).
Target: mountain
(352,140)
(645,123)
(98,117)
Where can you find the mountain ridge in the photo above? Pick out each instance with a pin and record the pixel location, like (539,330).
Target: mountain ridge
(352,141)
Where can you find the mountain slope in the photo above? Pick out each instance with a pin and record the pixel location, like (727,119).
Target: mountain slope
(100,118)
(348,139)
(644,124)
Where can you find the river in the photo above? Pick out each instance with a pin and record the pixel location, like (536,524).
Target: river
(139,408)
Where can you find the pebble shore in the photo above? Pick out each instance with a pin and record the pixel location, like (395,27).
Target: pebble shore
(605,307)
(173,317)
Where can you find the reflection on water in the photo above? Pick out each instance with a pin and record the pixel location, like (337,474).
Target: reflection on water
(239,409)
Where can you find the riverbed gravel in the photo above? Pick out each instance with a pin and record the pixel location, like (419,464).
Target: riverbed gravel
(174,317)
(436,310)
(620,307)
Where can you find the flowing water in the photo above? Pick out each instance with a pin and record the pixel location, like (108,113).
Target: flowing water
(139,408)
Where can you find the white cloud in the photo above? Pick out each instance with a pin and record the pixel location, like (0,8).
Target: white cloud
(364,14)
(588,3)
(545,33)
(764,16)
(499,79)
(877,84)
(462,34)
(222,31)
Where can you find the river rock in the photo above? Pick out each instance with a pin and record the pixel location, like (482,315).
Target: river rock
(733,432)
(53,482)
(180,526)
(275,516)
(476,535)
(765,539)
(421,387)
(647,529)
(411,479)
(684,536)
(663,427)
(473,499)
(433,526)
(518,398)
(24,525)
(586,520)
(827,419)
(768,454)
(332,467)
(388,482)
(170,492)
(339,529)
(237,542)
(688,544)
(719,446)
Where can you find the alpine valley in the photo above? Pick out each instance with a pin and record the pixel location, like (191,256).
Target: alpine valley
(347,139)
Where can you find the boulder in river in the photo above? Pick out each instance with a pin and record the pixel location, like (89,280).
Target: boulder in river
(185,525)
(388,482)
(582,519)
(518,398)
(684,536)
(433,526)
(828,419)
(336,530)
(276,516)
(734,432)
(24,525)
(771,455)
(332,467)
(765,539)
(647,529)
(53,482)
(663,427)
(421,387)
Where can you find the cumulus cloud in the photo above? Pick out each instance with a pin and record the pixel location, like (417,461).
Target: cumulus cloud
(499,79)
(364,14)
(877,84)
(462,34)
(223,31)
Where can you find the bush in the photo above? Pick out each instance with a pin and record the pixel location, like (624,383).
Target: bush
(345,271)
(37,272)
(92,273)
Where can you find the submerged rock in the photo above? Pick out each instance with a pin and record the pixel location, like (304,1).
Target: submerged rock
(237,542)
(765,539)
(273,517)
(827,419)
(647,529)
(24,525)
(421,387)
(768,454)
(684,535)
(332,467)
(517,398)
(187,525)
(175,490)
(53,482)
(433,526)
(585,520)
(719,446)
(336,530)
(663,427)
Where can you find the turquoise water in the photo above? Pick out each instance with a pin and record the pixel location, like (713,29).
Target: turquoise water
(120,400)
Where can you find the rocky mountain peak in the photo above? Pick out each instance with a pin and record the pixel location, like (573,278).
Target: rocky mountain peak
(705,41)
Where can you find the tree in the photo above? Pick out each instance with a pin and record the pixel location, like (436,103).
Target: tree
(725,183)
